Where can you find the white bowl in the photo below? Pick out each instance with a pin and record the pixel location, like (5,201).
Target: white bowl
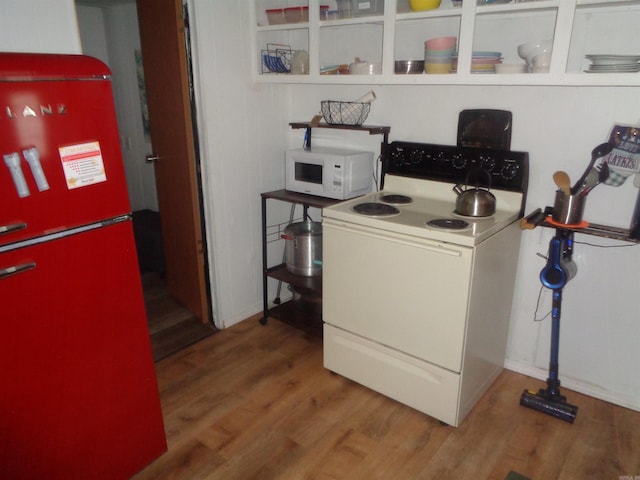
(527,51)
(365,68)
(511,68)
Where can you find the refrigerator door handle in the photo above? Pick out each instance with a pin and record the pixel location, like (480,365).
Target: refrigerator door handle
(14,270)
(12,227)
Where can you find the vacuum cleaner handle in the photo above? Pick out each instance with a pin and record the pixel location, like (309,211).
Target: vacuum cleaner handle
(559,268)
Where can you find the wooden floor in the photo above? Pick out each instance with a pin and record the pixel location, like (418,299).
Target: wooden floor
(254,402)
(171,326)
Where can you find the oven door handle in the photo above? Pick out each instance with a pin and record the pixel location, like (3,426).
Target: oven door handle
(395,238)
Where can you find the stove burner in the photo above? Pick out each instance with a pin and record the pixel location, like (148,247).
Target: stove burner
(375,209)
(448,223)
(398,199)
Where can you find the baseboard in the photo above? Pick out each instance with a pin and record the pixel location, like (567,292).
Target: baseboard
(249,314)
(576,385)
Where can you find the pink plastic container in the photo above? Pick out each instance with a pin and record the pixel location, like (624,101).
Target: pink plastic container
(275,16)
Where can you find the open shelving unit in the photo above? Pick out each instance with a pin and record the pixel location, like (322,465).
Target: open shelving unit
(577,27)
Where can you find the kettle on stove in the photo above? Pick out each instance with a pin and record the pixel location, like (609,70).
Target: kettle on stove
(475,201)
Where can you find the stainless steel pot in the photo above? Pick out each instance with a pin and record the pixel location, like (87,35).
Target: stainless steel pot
(475,201)
(303,248)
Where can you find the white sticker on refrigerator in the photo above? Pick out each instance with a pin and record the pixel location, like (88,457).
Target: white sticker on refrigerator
(82,164)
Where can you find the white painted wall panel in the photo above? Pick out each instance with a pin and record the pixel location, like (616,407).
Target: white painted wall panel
(111,34)
(244,130)
(92,33)
(124,41)
(39,26)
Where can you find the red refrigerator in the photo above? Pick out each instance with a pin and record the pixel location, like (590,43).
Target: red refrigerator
(78,392)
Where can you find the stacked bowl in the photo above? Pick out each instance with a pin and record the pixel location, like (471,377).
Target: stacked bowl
(438,54)
(482,62)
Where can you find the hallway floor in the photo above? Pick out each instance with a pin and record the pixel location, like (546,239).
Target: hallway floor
(171,326)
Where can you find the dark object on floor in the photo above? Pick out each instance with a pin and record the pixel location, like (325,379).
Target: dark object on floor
(148,235)
(555,275)
(515,476)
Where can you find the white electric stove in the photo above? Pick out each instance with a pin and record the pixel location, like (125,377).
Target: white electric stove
(426,209)
(416,298)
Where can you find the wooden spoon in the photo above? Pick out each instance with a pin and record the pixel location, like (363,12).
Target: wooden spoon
(563,182)
(315,121)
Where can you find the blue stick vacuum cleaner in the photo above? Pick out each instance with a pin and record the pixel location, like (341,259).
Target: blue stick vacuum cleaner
(559,269)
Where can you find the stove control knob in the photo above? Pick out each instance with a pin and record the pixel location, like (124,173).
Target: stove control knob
(487,163)
(458,161)
(438,157)
(510,170)
(415,158)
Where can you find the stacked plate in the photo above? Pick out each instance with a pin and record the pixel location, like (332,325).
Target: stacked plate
(613,63)
(482,62)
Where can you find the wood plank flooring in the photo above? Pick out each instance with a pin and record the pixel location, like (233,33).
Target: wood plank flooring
(254,402)
(171,326)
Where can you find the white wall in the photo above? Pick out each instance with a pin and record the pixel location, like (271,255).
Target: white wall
(246,131)
(39,26)
(242,130)
(93,35)
(111,34)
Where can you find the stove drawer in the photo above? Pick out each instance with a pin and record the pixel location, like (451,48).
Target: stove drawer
(407,293)
(418,384)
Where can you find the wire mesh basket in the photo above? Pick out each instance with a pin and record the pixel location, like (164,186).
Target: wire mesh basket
(276,58)
(344,113)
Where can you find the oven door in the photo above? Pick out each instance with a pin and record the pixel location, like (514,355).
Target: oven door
(407,293)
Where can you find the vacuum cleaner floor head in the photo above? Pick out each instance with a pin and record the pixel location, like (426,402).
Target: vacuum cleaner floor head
(554,407)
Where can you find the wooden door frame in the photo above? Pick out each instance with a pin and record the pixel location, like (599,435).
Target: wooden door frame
(197,159)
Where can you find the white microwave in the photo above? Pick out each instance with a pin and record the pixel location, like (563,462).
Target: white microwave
(329,172)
